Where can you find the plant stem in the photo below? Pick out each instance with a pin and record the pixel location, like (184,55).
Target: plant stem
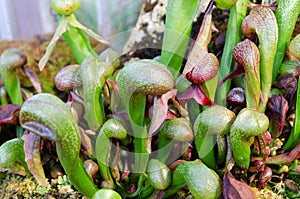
(285,158)
(78,42)
(80,180)
(165,147)
(136,113)
(103,148)
(179,19)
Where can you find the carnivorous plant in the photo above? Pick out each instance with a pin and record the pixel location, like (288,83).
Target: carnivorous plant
(39,115)
(135,128)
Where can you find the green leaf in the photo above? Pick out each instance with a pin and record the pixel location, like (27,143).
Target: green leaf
(225,4)
(73,32)
(144,76)
(294,47)
(12,158)
(159,174)
(247,54)
(294,137)
(73,22)
(286,14)
(10,60)
(136,80)
(215,120)
(173,130)
(94,73)
(49,117)
(111,129)
(179,19)
(61,28)
(177,129)
(248,123)
(201,181)
(261,20)
(289,67)
(68,78)
(107,194)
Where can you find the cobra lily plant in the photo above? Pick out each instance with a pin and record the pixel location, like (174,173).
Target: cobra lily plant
(196,121)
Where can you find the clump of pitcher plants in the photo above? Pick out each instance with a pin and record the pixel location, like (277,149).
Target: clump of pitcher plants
(211,125)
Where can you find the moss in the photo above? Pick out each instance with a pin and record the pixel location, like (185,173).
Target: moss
(34,49)
(14,186)
(267,194)
(289,193)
